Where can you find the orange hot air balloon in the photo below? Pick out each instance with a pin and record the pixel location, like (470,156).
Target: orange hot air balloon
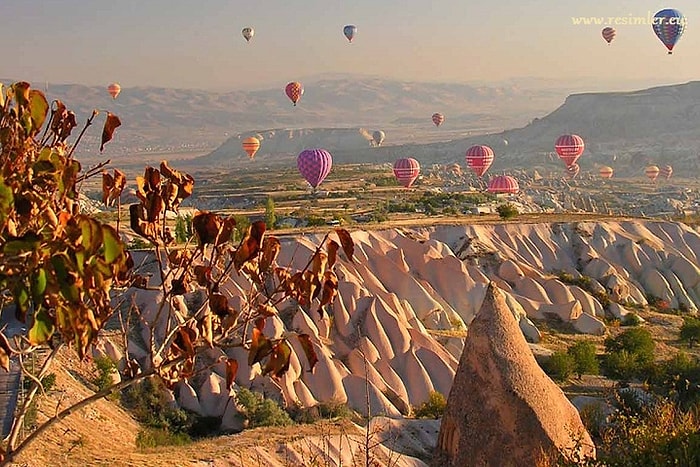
(652,172)
(251,145)
(294,91)
(114,89)
(606,172)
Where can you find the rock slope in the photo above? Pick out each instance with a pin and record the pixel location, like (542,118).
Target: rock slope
(398,325)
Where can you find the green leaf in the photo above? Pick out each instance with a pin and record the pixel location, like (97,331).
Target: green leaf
(38,109)
(24,244)
(114,248)
(92,234)
(21,296)
(39,285)
(42,329)
(6,199)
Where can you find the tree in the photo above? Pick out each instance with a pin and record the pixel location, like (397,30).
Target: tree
(584,357)
(690,331)
(67,273)
(270,218)
(630,354)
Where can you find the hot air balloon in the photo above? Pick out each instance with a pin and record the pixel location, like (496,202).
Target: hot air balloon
(652,172)
(248,33)
(665,172)
(350,31)
(114,89)
(572,171)
(479,159)
(378,137)
(669,25)
(294,91)
(251,145)
(314,165)
(503,184)
(569,148)
(406,171)
(606,172)
(438,118)
(609,34)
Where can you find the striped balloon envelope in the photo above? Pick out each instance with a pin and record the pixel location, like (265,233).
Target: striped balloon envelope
(251,145)
(606,172)
(114,89)
(438,118)
(572,171)
(479,159)
(665,172)
(608,34)
(652,172)
(503,184)
(406,171)
(569,148)
(314,165)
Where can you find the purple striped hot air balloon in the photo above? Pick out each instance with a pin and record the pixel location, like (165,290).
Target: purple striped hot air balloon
(314,165)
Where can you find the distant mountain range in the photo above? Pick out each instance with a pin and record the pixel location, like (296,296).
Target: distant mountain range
(166,120)
(627,130)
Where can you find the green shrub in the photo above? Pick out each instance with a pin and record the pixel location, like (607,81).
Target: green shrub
(623,365)
(183,229)
(690,331)
(631,320)
(560,366)
(507,211)
(584,357)
(105,369)
(636,341)
(434,407)
(153,437)
(147,402)
(262,412)
(323,411)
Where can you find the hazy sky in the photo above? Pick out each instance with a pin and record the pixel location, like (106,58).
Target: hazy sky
(198,44)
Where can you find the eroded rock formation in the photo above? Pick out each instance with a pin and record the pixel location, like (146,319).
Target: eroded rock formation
(503,410)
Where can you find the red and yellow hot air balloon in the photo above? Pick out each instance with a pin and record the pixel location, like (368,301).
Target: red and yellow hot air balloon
(608,34)
(114,89)
(406,171)
(251,145)
(479,159)
(606,172)
(294,91)
(569,148)
(503,184)
(438,118)
(652,172)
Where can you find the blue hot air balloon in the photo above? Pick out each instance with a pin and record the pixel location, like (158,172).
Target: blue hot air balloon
(350,31)
(669,25)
